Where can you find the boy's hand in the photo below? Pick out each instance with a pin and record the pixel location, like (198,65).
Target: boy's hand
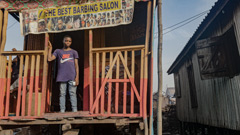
(77,81)
(49,45)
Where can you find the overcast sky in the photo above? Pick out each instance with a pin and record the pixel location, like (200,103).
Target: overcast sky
(174,11)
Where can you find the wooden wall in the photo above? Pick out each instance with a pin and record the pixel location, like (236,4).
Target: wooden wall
(218,98)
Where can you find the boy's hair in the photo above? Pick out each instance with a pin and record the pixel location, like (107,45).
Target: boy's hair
(67,36)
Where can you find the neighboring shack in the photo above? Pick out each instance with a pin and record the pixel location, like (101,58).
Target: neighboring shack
(206,72)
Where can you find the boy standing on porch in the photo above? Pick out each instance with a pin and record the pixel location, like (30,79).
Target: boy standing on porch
(68,72)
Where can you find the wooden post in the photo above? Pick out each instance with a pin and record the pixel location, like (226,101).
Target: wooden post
(141,82)
(110,85)
(37,84)
(91,69)
(97,80)
(19,86)
(146,67)
(45,73)
(133,74)
(3,84)
(125,86)
(24,92)
(1,21)
(159,114)
(31,85)
(117,86)
(8,85)
(103,76)
(4,30)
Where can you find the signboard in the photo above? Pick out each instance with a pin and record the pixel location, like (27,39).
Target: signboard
(76,17)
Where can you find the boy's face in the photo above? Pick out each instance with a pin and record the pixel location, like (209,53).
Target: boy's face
(67,41)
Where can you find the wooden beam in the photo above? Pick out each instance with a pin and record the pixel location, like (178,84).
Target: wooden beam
(132,91)
(37,84)
(8,86)
(31,85)
(120,48)
(24,92)
(103,76)
(19,86)
(1,21)
(125,86)
(97,80)
(110,85)
(22,52)
(91,68)
(4,31)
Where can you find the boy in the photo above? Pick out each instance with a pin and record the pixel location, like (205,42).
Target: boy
(68,71)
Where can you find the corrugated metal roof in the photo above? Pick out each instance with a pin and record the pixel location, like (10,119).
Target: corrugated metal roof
(216,9)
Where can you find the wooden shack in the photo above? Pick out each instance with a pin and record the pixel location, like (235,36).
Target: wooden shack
(206,72)
(115,74)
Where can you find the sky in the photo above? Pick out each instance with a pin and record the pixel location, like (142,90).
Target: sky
(173,12)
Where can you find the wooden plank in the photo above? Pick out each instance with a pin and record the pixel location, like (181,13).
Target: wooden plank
(8,86)
(3,84)
(117,85)
(22,52)
(125,86)
(110,85)
(132,92)
(91,68)
(120,48)
(103,76)
(37,84)
(118,80)
(19,86)
(45,73)
(141,82)
(24,92)
(4,31)
(97,80)
(1,22)
(31,85)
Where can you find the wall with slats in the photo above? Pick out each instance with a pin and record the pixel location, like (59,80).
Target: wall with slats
(218,98)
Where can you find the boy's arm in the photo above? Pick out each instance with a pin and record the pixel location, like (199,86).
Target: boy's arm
(77,72)
(50,56)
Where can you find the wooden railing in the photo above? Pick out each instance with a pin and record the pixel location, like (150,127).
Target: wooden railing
(116,79)
(23,101)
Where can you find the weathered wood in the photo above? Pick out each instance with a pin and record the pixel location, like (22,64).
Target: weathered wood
(91,67)
(103,76)
(24,92)
(31,85)
(125,86)
(97,80)
(21,52)
(110,85)
(1,22)
(37,84)
(141,81)
(4,31)
(122,48)
(117,85)
(132,92)
(19,86)
(8,86)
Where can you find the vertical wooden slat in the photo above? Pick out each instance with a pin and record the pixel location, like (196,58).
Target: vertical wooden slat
(25,84)
(91,68)
(31,85)
(37,84)
(8,85)
(97,80)
(45,72)
(132,92)
(2,91)
(1,83)
(103,76)
(117,85)
(141,82)
(4,31)
(1,21)
(125,86)
(19,86)
(110,85)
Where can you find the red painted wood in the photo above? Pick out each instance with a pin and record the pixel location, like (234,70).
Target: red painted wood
(109,97)
(97,88)
(116,97)
(134,88)
(141,94)
(125,98)
(132,100)
(8,97)
(36,94)
(118,80)
(86,85)
(151,87)
(30,95)
(19,95)
(24,95)
(1,96)
(145,98)
(102,100)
